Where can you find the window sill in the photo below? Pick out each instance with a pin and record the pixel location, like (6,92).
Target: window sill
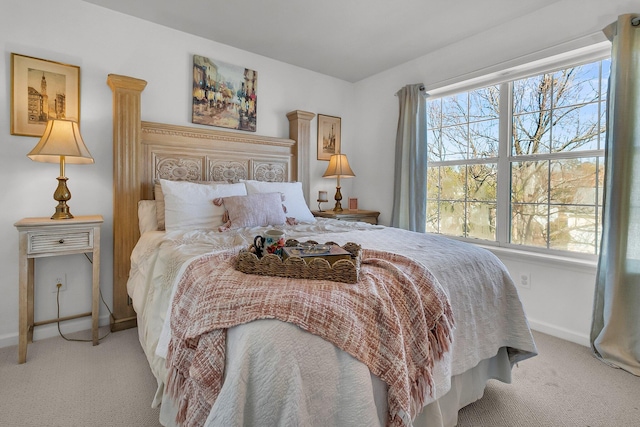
(579,264)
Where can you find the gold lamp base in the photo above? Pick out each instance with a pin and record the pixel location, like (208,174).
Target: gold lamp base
(338,197)
(62,195)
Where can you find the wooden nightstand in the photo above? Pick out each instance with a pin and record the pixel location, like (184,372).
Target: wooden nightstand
(45,237)
(350,215)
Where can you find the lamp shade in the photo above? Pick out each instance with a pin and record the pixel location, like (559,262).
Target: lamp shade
(338,167)
(61,138)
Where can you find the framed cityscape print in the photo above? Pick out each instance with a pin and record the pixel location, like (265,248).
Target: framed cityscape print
(224,95)
(328,136)
(42,90)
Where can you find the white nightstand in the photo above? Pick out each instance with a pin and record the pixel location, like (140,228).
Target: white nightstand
(45,237)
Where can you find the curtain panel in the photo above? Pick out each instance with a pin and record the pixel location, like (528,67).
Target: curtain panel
(410,176)
(615,330)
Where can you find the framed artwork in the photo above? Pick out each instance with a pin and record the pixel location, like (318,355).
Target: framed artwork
(328,136)
(224,95)
(353,203)
(42,90)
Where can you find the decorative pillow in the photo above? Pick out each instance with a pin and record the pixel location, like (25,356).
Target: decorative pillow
(147,220)
(253,210)
(293,198)
(189,205)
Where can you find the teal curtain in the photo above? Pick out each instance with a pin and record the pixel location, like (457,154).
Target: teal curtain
(410,176)
(615,330)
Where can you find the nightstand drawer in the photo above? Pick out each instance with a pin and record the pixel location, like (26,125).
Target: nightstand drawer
(371,219)
(60,241)
(350,215)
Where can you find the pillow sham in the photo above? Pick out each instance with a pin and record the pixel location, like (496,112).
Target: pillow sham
(147,220)
(253,210)
(294,201)
(189,205)
(158,196)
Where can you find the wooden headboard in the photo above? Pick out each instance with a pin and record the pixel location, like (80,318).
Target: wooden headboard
(145,151)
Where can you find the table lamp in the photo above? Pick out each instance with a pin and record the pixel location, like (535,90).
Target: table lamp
(61,142)
(338,167)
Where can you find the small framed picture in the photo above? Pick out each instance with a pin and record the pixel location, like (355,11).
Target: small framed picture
(42,90)
(328,136)
(353,203)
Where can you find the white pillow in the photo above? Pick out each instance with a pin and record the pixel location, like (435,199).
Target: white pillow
(147,219)
(190,205)
(293,197)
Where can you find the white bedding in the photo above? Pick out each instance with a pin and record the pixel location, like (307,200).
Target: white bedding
(315,383)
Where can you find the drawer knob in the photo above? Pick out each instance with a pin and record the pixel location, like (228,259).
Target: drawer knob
(61,241)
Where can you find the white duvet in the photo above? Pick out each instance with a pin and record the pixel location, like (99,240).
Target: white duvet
(277,374)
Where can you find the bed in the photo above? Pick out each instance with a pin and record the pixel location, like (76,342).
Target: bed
(275,372)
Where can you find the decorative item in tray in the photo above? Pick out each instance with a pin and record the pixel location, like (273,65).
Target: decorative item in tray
(306,260)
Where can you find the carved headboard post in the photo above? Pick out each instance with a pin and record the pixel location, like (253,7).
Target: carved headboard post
(126,190)
(300,131)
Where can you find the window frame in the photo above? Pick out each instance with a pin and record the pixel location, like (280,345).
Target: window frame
(504,79)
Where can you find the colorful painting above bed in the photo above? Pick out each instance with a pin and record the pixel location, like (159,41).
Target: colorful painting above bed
(224,95)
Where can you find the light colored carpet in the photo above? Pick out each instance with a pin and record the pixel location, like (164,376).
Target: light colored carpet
(565,385)
(69,384)
(75,384)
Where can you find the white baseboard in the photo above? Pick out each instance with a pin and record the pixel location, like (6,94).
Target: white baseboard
(51,330)
(558,332)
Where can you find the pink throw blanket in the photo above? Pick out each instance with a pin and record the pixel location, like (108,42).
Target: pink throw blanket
(396,320)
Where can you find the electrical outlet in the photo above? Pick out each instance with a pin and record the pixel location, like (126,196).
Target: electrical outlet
(62,280)
(525,280)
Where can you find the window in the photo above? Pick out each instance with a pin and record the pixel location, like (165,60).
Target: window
(522,162)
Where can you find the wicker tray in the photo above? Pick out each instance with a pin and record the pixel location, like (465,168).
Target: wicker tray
(343,270)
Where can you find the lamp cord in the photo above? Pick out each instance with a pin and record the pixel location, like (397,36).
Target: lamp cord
(58,305)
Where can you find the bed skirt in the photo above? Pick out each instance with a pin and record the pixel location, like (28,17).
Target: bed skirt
(465,388)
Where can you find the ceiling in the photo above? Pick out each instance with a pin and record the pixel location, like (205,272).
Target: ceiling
(347,39)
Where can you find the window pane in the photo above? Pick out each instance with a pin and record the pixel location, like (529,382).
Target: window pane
(573,228)
(454,142)
(602,138)
(573,181)
(432,216)
(452,182)
(482,182)
(531,133)
(484,103)
(434,145)
(577,85)
(529,182)
(434,114)
(576,128)
(433,183)
(452,218)
(532,94)
(454,109)
(481,220)
(484,138)
(529,225)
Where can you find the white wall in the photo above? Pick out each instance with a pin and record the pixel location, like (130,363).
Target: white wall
(560,298)
(101,42)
